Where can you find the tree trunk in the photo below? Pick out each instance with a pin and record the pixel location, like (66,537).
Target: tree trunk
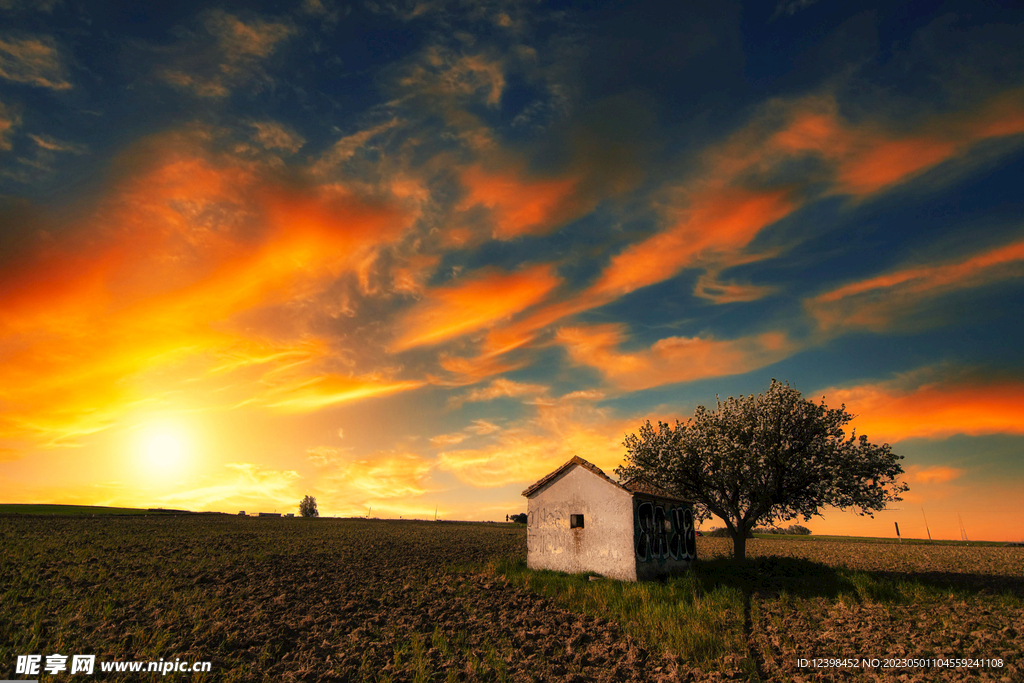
(739,545)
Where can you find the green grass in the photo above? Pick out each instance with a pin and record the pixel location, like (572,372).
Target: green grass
(685,615)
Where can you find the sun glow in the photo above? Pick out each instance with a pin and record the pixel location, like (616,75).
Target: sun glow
(163,449)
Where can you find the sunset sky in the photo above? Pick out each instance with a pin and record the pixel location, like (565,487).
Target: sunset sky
(407,256)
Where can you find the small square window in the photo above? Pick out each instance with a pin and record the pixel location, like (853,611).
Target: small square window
(575,521)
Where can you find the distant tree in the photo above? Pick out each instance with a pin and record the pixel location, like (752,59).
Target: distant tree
(307,508)
(798,530)
(519,519)
(765,458)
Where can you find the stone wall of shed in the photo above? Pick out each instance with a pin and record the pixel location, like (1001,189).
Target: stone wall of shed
(604,544)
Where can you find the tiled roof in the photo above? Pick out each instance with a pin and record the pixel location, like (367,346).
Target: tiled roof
(633,486)
(576,460)
(647,488)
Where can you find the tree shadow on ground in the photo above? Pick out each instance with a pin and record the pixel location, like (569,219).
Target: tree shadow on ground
(769,575)
(989,584)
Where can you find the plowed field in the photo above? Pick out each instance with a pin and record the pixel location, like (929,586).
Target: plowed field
(294,599)
(340,600)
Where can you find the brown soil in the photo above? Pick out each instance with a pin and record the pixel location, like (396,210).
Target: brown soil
(338,600)
(291,600)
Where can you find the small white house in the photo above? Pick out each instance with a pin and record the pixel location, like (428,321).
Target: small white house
(581,520)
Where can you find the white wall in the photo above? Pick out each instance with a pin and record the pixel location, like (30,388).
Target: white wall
(605,543)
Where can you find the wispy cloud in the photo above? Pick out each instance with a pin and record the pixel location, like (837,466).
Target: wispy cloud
(670,360)
(389,482)
(907,296)
(308,394)
(474,303)
(708,225)
(33,60)
(9,120)
(498,388)
(933,403)
(274,135)
(448,439)
(519,205)
(247,486)
(530,448)
(228,55)
(443,74)
(937,474)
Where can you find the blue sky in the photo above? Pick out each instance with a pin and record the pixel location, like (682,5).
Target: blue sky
(407,256)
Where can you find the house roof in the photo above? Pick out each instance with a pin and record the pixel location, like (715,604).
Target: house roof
(646,488)
(633,487)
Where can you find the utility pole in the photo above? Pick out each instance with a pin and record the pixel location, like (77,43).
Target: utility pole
(898,531)
(926,524)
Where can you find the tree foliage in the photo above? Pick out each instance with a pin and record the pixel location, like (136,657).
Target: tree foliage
(307,507)
(766,458)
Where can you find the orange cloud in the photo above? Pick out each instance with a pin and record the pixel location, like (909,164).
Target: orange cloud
(939,474)
(385,476)
(479,301)
(499,388)
(867,157)
(319,391)
(880,302)
(710,287)
(153,277)
(519,205)
(472,370)
(534,447)
(885,161)
(888,411)
(713,219)
(711,224)
(670,360)
(447,439)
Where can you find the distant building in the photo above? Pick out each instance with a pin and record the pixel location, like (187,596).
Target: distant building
(241,513)
(581,520)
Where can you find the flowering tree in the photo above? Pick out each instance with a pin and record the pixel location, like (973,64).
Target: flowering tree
(307,508)
(765,458)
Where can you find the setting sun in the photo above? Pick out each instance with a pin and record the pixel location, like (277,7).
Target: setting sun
(164,449)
